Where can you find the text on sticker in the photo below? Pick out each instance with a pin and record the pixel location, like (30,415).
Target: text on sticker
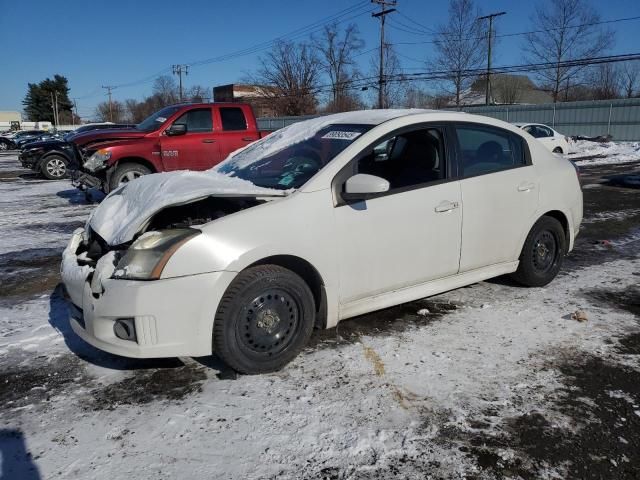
(338,135)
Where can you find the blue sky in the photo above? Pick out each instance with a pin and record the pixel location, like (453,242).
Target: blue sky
(117,42)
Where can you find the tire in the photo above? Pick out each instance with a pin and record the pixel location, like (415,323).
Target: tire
(125,173)
(542,254)
(4,145)
(249,334)
(557,150)
(54,167)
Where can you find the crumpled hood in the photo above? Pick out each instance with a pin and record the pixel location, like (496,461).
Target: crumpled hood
(127,209)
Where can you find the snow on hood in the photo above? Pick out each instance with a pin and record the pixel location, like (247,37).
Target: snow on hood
(125,210)
(300,131)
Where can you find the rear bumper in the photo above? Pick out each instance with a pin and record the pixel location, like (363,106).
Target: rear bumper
(172,317)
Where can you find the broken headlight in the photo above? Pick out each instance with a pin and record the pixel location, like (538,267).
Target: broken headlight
(97,160)
(148,255)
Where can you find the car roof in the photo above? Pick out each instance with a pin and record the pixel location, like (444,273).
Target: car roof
(373,117)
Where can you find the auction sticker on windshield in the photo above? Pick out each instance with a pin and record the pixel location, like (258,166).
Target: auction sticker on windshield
(340,135)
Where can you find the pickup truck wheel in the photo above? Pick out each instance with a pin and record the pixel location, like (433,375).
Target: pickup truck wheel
(126,173)
(54,167)
(542,254)
(264,319)
(557,150)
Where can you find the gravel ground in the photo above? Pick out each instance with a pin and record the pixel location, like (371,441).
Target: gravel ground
(489,381)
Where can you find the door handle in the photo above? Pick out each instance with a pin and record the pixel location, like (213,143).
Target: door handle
(526,187)
(208,140)
(248,139)
(446,206)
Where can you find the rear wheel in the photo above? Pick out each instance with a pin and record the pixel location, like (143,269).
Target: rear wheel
(125,173)
(542,254)
(557,150)
(264,319)
(54,167)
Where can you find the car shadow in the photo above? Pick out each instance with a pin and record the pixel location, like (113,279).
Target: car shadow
(15,460)
(78,197)
(59,319)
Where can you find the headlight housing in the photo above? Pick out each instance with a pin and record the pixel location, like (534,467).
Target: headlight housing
(97,160)
(148,255)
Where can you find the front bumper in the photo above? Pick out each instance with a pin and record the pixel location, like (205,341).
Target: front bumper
(28,160)
(172,317)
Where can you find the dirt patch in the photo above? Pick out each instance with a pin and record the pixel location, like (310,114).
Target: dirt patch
(382,322)
(55,227)
(600,399)
(151,385)
(29,272)
(39,382)
(627,299)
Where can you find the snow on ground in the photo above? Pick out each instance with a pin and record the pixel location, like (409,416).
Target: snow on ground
(585,153)
(488,381)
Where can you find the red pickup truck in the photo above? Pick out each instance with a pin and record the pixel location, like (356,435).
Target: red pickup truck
(193,136)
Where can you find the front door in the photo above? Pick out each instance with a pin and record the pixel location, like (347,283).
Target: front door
(499,195)
(195,150)
(408,235)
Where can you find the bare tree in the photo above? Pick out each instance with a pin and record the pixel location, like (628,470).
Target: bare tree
(166,89)
(197,93)
(114,113)
(605,81)
(459,47)
(393,86)
(292,72)
(415,97)
(336,52)
(564,30)
(629,77)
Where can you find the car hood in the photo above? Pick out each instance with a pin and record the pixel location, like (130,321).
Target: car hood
(94,136)
(127,210)
(46,144)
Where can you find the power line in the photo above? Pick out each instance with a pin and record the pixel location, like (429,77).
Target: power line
(513,34)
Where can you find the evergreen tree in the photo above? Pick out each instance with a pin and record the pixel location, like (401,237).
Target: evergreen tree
(38,102)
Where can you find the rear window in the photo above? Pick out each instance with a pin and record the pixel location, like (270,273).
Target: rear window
(487,150)
(233,118)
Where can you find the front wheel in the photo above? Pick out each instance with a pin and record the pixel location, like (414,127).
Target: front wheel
(54,167)
(125,173)
(542,254)
(557,150)
(264,319)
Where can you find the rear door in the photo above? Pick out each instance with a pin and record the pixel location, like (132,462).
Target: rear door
(235,131)
(500,190)
(195,150)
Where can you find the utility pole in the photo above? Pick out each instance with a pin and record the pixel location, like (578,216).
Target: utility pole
(179,70)
(57,114)
(381,14)
(490,17)
(53,109)
(108,88)
(75,108)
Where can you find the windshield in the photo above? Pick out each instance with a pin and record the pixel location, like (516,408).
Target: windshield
(291,166)
(156,120)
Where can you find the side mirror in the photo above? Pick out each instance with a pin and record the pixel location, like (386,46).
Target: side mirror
(363,186)
(176,129)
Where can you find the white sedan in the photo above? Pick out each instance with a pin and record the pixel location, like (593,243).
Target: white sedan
(323,220)
(554,141)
